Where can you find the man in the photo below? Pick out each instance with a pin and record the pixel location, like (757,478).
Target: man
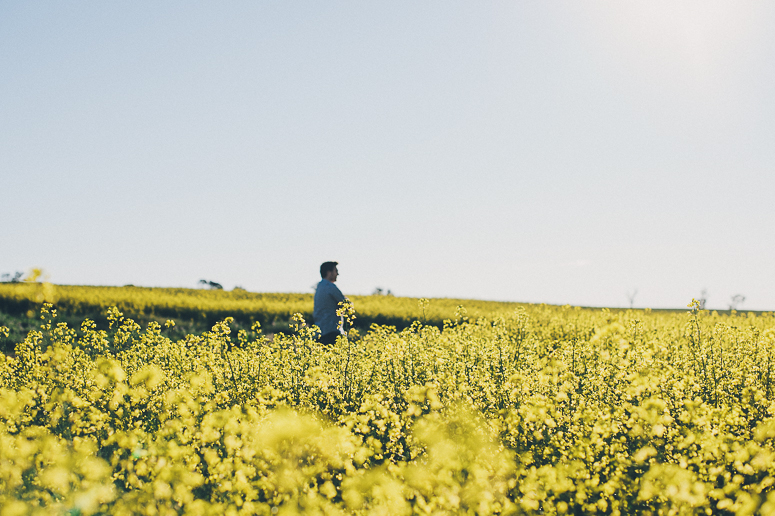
(327,299)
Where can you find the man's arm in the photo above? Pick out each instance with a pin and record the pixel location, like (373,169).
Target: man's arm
(337,294)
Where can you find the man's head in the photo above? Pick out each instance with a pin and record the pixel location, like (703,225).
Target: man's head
(329,271)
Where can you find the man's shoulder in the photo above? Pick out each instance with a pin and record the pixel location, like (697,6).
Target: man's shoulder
(329,287)
(326,286)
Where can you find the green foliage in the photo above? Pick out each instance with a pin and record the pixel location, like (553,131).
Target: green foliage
(543,410)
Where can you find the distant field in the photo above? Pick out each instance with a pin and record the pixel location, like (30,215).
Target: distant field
(213,305)
(196,310)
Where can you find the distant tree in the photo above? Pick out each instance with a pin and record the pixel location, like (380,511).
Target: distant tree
(211,284)
(631,297)
(703,298)
(737,299)
(379,291)
(7,278)
(35,275)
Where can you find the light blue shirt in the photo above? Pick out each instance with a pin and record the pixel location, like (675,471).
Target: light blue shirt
(327,299)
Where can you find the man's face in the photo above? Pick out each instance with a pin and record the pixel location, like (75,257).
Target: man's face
(332,274)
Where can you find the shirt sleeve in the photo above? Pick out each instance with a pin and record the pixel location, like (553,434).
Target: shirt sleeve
(337,294)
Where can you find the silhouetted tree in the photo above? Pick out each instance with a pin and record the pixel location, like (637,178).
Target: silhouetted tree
(631,297)
(737,299)
(16,278)
(703,298)
(211,284)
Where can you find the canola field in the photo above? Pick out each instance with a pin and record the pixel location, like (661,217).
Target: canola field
(211,306)
(538,410)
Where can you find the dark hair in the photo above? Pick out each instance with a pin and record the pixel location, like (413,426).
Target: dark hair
(327,267)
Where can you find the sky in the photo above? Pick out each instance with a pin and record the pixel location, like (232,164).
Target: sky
(556,152)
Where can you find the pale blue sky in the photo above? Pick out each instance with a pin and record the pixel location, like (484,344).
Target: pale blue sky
(559,152)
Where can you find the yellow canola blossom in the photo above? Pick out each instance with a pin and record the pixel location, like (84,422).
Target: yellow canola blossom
(540,410)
